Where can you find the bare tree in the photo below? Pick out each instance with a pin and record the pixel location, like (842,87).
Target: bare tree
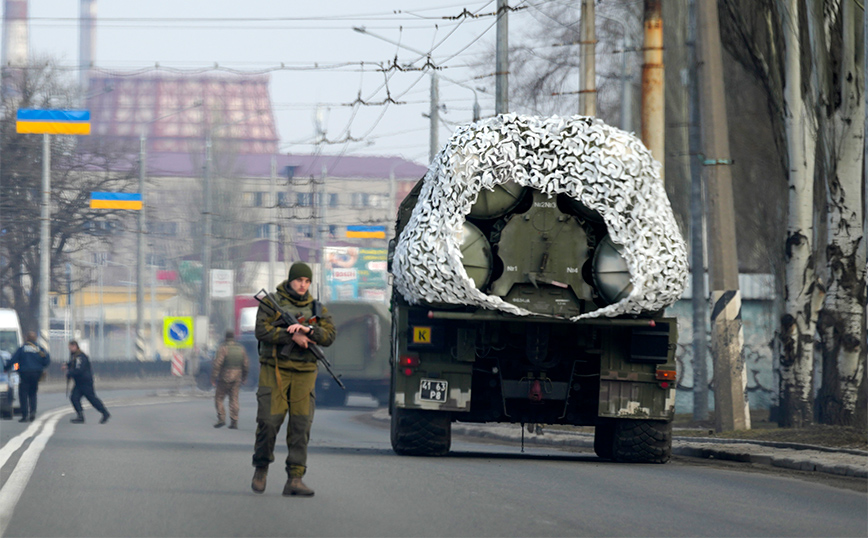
(75,228)
(818,117)
(836,43)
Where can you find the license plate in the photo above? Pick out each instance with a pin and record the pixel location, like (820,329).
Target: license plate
(433,390)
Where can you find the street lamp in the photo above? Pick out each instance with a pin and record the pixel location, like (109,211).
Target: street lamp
(205,305)
(140,241)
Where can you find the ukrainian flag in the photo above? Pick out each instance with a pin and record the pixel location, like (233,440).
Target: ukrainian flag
(366,232)
(116,200)
(57,122)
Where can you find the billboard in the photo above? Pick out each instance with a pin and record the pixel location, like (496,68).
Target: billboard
(355,273)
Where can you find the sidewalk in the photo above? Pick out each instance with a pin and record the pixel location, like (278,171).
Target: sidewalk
(842,462)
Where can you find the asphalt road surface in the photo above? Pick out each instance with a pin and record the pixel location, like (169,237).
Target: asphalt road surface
(159,468)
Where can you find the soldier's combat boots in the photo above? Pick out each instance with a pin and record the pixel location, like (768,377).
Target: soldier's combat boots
(79,419)
(294,486)
(259,476)
(233,425)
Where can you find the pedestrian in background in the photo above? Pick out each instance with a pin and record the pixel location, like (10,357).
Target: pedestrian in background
(78,369)
(287,377)
(32,360)
(229,372)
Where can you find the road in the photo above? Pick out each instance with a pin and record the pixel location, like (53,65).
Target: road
(159,468)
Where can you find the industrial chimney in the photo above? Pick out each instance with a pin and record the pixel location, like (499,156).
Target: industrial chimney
(15,33)
(86,43)
(15,42)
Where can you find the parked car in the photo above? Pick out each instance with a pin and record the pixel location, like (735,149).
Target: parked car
(8,387)
(10,341)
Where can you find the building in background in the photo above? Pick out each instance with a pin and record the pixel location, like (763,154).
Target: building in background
(318,203)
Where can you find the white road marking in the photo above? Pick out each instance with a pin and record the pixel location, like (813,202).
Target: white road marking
(15,443)
(11,491)
(17,481)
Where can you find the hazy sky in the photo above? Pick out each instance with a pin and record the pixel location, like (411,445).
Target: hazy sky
(253,35)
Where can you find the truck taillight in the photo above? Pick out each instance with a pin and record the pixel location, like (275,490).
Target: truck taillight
(408,365)
(666,377)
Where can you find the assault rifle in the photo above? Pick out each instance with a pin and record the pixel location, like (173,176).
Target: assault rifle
(268,300)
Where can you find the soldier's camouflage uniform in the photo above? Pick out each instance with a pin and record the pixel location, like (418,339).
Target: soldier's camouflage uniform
(287,378)
(229,373)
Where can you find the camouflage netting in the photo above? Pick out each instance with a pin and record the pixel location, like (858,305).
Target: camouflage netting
(608,170)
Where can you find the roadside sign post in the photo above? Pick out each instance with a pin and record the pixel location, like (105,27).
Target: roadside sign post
(46,123)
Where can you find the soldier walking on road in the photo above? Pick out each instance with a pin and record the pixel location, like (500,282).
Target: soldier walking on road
(287,378)
(78,369)
(229,372)
(32,360)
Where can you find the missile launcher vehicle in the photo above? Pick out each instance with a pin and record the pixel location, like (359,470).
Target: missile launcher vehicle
(531,268)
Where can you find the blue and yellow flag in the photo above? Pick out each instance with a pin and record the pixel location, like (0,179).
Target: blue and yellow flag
(366,232)
(116,200)
(63,122)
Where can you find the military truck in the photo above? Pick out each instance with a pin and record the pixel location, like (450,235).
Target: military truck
(551,258)
(360,354)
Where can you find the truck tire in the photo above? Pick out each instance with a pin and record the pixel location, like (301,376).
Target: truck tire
(421,433)
(642,441)
(604,439)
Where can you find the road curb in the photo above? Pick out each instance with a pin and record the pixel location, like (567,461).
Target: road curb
(853,463)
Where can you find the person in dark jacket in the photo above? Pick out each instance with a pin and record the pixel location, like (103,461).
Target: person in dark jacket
(287,378)
(78,369)
(32,359)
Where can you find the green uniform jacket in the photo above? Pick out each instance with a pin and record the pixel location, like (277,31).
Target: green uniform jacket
(275,344)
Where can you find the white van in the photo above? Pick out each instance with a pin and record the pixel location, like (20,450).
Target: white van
(10,340)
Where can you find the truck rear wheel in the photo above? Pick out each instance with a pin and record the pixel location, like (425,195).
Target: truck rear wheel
(420,433)
(640,441)
(604,439)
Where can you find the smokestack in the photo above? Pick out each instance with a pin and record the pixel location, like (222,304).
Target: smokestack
(86,44)
(15,42)
(15,33)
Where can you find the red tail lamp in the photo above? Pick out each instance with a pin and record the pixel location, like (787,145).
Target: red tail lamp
(408,365)
(665,377)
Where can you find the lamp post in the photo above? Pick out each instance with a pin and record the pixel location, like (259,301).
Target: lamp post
(205,304)
(140,240)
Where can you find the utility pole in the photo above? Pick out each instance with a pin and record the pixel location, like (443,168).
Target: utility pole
(45,243)
(322,235)
(697,244)
(730,375)
(272,226)
(653,105)
(205,308)
(588,91)
(626,85)
(140,255)
(434,117)
(501,85)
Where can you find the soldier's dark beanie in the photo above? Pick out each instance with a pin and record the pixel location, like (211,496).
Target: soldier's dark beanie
(230,335)
(298,270)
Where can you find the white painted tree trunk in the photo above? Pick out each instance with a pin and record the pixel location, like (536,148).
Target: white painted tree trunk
(842,319)
(798,322)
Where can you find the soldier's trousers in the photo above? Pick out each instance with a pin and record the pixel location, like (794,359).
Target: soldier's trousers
(292,394)
(230,385)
